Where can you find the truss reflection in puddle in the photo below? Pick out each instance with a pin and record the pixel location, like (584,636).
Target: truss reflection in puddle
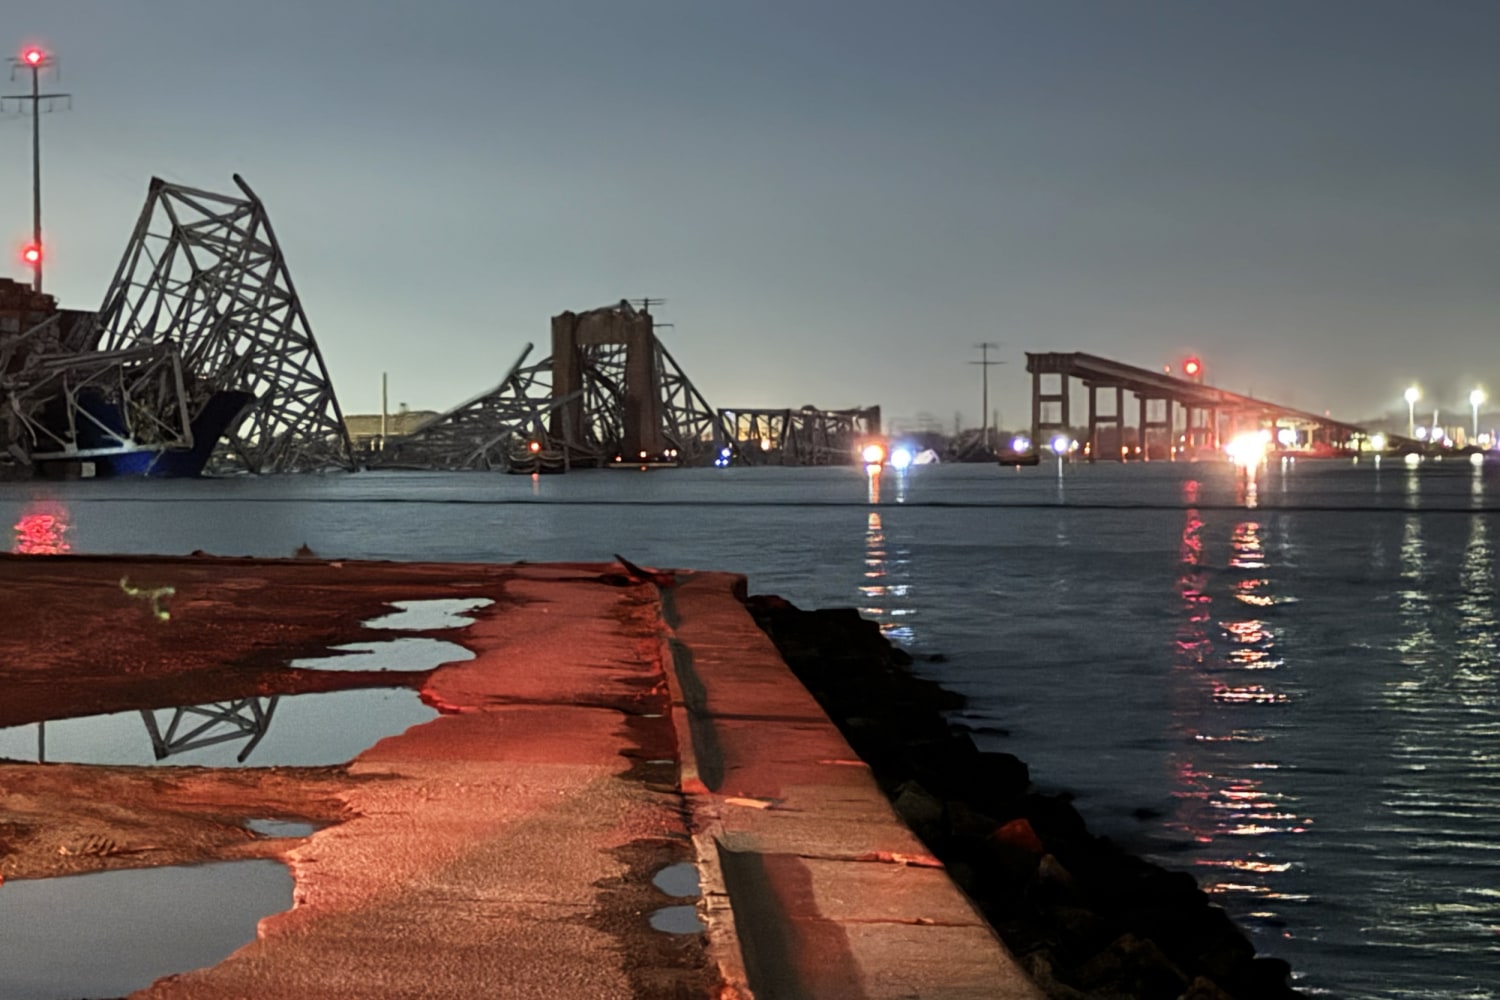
(312,729)
(223,722)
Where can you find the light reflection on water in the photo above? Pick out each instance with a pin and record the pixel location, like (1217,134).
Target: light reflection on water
(885,594)
(1308,684)
(41,529)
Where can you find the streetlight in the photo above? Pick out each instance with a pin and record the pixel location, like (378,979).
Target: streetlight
(1412,395)
(1475,398)
(33,60)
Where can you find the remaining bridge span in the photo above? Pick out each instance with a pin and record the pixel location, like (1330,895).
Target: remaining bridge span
(1209,415)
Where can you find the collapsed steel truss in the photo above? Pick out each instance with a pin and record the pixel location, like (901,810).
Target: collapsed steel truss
(808,436)
(62,403)
(484,432)
(587,427)
(203,272)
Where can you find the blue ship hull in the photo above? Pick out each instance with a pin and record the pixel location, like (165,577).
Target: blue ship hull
(218,415)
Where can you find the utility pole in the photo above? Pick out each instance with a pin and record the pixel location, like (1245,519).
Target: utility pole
(35,60)
(984,367)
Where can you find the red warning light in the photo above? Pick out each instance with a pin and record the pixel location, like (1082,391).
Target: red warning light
(32,254)
(1191,367)
(33,57)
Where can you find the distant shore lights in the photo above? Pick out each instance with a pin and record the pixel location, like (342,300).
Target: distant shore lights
(1412,395)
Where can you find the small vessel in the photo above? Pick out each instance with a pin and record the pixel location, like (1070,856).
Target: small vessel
(533,458)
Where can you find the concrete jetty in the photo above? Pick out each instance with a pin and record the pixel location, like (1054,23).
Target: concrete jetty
(610,724)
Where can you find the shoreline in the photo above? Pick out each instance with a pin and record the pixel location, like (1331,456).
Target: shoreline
(1083,916)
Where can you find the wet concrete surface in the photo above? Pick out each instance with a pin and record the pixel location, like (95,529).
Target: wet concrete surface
(599,734)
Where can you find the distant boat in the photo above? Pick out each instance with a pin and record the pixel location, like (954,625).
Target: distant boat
(1018,458)
(525,461)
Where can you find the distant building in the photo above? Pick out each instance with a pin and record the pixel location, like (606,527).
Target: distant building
(364,428)
(21,308)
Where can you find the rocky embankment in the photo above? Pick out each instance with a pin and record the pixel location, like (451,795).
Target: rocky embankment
(1087,919)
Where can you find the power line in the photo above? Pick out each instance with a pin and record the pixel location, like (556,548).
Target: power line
(984,367)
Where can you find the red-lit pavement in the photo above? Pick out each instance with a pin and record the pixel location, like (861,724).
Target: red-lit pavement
(506,849)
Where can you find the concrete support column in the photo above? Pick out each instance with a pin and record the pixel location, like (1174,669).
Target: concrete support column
(1171,426)
(1119,423)
(1093,422)
(1141,438)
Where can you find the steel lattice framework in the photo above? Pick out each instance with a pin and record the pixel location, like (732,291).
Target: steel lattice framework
(583,428)
(808,436)
(694,429)
(203,271)
(483,432)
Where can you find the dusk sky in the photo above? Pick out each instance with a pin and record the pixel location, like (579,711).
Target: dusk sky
(837,200)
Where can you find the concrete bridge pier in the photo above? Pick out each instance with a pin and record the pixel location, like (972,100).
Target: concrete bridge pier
(1096,419)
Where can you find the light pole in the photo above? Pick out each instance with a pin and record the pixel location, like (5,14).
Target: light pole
(35,60)
(1412,395)
(1475,398)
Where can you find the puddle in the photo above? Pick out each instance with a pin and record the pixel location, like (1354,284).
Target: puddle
(302,730)
(678,880)
(678,920)
(448,612)
(111,933)
(393,654)
(281,827)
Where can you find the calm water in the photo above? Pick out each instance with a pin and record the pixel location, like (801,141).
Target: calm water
(1287,685)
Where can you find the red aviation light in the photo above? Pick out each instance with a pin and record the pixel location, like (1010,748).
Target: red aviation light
(33,56)
(1191,367)
(32,254)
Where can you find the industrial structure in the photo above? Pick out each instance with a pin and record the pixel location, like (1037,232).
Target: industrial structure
(611,394)
(200,355)
(1211,416)
(203,272)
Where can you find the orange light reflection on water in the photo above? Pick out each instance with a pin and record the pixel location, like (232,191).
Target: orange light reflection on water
(1221,802)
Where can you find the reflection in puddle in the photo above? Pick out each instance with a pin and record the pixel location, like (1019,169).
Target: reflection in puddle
(448,612)
(678,880)
(393,654)
(309,730)
(109,933)
(281,827)
(677,920)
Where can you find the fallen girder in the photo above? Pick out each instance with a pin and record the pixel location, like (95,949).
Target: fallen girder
(486,431)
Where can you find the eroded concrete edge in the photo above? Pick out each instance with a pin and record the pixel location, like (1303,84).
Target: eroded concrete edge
(694,686)
(723,939)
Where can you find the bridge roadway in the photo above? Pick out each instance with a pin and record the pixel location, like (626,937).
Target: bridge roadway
(1206,409)
(607,726)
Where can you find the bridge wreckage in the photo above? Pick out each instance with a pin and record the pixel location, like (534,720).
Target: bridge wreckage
(201,357)
(611,394)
